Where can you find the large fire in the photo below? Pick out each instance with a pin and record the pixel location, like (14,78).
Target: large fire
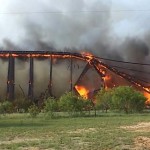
(82,91)
(147,95)
(91,59)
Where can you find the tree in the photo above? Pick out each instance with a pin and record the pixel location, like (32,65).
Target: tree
(71,103)
(33,111)
(6,107)
(50,106)
(103,99)
(128,99)
(89,105)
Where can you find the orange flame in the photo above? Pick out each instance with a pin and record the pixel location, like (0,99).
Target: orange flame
(54,56)
(106,78)
(88,56)
(147,95)
(82,91)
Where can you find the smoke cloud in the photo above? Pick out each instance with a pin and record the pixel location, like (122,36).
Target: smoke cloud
(70,26)
(75,29)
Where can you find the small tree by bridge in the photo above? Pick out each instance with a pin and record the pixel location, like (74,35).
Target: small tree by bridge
(122,98)
(103,99)
(71,103)
(128,99)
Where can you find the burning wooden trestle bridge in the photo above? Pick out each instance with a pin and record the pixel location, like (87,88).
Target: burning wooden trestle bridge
(91,61)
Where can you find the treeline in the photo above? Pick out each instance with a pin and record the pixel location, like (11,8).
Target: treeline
(123,98)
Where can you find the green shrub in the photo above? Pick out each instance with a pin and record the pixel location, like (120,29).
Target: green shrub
(103,99)
(33,111)
(6,107)
(122,98)
(21,104)
(71,103)
(128,99)
(89,105)
(50,106)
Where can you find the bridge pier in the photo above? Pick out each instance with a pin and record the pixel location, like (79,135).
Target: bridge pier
(11,78)
(31,79)
(71,72)
(50,77)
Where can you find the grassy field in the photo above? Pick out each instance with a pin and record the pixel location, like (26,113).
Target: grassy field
(104,132)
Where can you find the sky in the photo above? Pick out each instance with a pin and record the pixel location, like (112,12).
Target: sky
(117,23)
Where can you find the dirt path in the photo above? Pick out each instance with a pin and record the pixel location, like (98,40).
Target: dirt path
(140,142)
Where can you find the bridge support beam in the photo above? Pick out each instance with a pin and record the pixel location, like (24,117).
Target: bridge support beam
(11,78)
(31,79)
(71,73)
(50,77)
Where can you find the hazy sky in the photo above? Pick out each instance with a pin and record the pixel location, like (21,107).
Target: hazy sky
(72,29)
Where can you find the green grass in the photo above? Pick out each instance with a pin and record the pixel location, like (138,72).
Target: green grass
(19,131)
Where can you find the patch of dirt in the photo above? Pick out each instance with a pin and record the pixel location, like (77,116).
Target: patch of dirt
(18,140)
(83,130)
(141,143)
(34,148)
(140,127)
(30,148)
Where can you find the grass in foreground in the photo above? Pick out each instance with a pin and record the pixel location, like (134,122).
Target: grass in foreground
(19,131)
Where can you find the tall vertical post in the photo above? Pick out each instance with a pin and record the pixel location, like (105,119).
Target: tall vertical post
(31,78)
(50,77)
(71,71)
(11,78)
